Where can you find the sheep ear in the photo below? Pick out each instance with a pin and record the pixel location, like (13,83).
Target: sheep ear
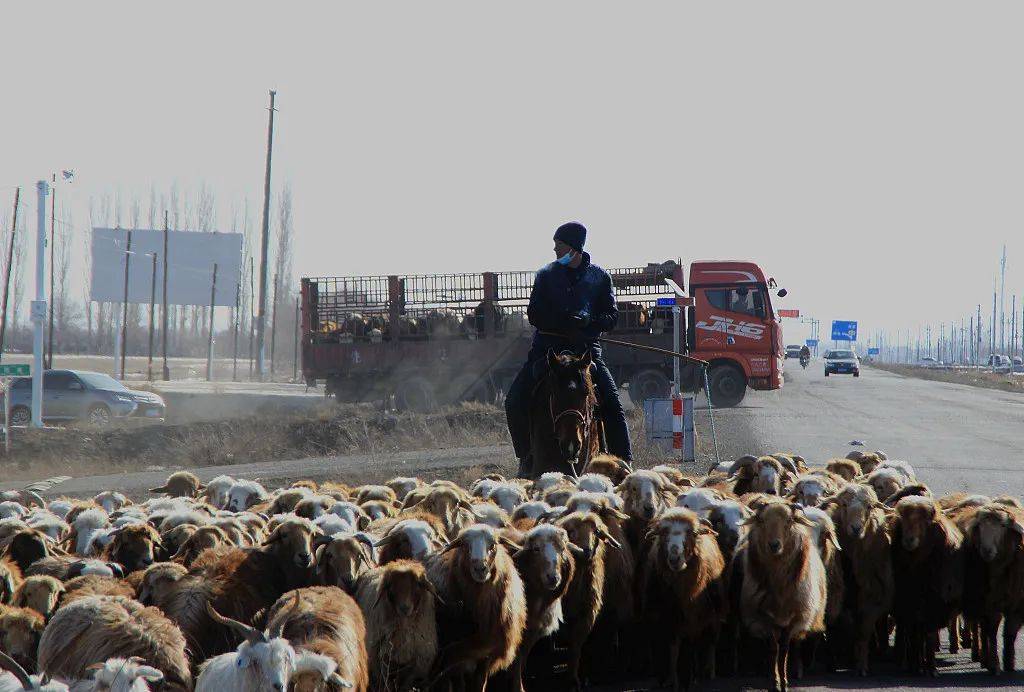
(575,549)
(149,673)
(834,540)
(706,528)
(338,681)
(607,538)
(510,544)
(161,489)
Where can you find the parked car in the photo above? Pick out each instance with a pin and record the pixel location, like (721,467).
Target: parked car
(837,362)
(793,351)
(999,362)
(78,395)
(929,362)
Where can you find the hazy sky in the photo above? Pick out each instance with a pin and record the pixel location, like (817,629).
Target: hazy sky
(868,155)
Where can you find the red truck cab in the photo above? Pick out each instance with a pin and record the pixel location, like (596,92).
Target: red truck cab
(733,327)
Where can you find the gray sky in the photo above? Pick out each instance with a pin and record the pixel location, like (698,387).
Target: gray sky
(867,154)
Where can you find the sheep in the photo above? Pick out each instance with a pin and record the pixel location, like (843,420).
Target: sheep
(915,489)
(784,589)
(995,573)
(810,490)
(528,514)
(727,520)
(413,539)
(929,564)
(683,588)
(18,680)
(482,611)
(376,509)
(644,495)
(92,585)
(180,484)
(326,621)
(402,486)
(342,558)
(595,483)
(10,578)
(885,482)
(868,461)
(133,547)
(158,581)
(866,557)
(122,675)
(699,500)
(369,493)
(20,630)
(674,476)
(10,509)
(217,491)
(40,593)
(399,606)
(84,528)
(826,540)
(766,474)
(28,547)
(284,501)
(111,500)
(352,513)
(244,494)
(49,523)
(65,568)
(492,515)
(547,565)
(451,506)
(97,628)
(584,598)
(507,495)
(844,468)
(203,538)
(549,480)
(263,662)
(608,465)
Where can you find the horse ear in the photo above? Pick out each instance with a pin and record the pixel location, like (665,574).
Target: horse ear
(552,359)
(586,360)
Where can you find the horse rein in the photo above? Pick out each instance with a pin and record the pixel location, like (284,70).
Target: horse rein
(587,424)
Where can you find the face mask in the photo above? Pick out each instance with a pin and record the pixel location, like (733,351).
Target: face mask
(565,259)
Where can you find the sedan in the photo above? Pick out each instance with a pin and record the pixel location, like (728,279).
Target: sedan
(78,395)
(837,362)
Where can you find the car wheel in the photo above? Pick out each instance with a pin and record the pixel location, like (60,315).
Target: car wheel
(416,394)
(21,416)
(728,386)
(856,373)
(826,373)
(98,415)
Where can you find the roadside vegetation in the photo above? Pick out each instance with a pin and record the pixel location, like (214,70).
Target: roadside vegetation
(973,377)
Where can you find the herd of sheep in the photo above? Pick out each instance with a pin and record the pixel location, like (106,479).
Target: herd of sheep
(765,564)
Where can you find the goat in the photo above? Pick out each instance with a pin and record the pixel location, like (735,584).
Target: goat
(785,589)
(482,611)
(40,593)
(121,675)
(929,564)
(399,606)
(18,680)
(682,587)
(180,484)
(867,561)
(98,628)
(263,662)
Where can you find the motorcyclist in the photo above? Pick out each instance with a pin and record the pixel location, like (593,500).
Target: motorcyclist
(805,354)
(572,297)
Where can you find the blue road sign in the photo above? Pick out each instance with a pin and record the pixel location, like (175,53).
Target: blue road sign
(662,302)
(843,330)
(811,343)
(873,351)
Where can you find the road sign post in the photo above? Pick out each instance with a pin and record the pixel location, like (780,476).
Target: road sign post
(8,373)
(844,330)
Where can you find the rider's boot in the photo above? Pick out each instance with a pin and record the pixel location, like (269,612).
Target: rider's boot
(525,468)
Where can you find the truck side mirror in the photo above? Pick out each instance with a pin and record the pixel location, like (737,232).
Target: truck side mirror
(782,293)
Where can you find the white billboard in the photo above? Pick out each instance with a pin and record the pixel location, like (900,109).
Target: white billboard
(190,256)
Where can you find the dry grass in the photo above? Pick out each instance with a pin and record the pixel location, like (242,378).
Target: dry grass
(973,377)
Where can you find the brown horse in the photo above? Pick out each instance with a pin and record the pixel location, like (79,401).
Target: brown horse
(565,430)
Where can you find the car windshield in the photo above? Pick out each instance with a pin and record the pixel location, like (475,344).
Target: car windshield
(95,380)
(840,355)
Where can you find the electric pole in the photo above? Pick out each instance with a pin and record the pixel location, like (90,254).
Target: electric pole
(124,305)
(7,270)
(264,245)
(163,307)
(1002,302)
(53,219)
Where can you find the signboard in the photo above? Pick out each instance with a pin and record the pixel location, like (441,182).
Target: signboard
(663,302)
(844,330)
(15,370)
(873,351)
(37,310)
(811,343)
(190,260)
(789,313)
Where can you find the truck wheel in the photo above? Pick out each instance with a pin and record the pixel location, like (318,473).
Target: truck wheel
(728,386)
(649,384)
(470,388)
(416,394)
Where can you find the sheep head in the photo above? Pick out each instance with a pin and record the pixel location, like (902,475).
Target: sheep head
(124,675)
(478,546)
(404,588)
(677,531)
(645,493)
(340,559)
(292,542)
(854,505)
(134,546)
(40,593)
(774,529)
(915,517)
(548,550)
(997,531)
(588,533)
(410,539)
(158,581)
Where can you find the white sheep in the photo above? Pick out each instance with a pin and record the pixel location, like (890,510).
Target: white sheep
(217,491)
(595,483)
(120,675)
(11,509)
(111,500)
(87,526)
(244,494)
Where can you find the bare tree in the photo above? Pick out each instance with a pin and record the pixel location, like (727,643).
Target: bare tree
(87,274)
(282,314)
(65,311)
(18,287)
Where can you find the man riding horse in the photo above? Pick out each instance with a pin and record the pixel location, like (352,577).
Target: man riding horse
(571,304)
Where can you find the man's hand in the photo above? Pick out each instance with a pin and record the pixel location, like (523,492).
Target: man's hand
(579,320)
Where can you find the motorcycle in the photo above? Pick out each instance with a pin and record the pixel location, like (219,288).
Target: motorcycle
(804,361)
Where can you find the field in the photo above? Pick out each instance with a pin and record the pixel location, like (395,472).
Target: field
(136,366)
(970,376)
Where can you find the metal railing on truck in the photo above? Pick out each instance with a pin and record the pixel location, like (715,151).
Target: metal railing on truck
(461,306)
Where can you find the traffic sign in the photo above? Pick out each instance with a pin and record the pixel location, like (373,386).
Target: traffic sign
(812,343)
(789,313)
(873,351)
(843,330)
(666,302)
(15,370)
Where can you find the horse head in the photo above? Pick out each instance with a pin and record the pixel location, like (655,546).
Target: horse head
(572,401)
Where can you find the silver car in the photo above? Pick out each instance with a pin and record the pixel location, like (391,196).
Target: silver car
(70,395)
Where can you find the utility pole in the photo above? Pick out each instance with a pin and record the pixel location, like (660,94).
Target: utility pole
(209,343)
(298,329)
(39,305)
(992,361)
(264,245)
(163,307)
(53,219)
(7,270)
(1002,302)
(236,316)
(273,329)
(124,305)
(152,320)
(252,310)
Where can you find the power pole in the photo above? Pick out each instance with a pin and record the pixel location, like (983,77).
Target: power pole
(273,329)
(163,307)
(264,245)
(992,361)
(152,320)
(124,305)
(39,305)
(209,343)
(298,329)
(252,310)
(1002,302)
(7,270)
(53,219)
(235,318)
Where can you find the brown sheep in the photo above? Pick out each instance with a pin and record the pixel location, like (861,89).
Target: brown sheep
(93,629)
(370,493)
(134,546)
(172,539)
(326,621)
(93,585)
(409,539)
(845,468)
(403,486)
(29,546)
(39,593)
(378,509)
(453,507)
(399,605)
(785,589)
(644,495)
(482,610)
(20,632)
(866,556)
(764,474)
(179,484)
(584,598)
(313,506)
(547,565)
(682,589)
(158,581)
(342,559)
(203,538)
(608,465)
(10,578)
(929,563)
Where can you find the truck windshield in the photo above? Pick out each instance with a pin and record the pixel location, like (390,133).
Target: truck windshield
(746,301)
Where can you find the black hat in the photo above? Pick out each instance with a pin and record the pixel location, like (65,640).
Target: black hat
(572,234)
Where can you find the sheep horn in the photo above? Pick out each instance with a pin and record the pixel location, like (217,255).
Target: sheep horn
(33,496)
(251,634)
(278,630)
(743,461)
(19,672)
(339,681)
(787,462)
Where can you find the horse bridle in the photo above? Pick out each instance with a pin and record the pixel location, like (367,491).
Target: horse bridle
(586,419)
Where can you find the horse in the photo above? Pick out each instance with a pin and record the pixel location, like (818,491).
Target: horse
(565,428)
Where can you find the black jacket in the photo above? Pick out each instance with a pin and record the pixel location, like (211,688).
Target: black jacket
(559,291)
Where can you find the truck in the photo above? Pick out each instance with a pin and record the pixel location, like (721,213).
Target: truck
(435,339)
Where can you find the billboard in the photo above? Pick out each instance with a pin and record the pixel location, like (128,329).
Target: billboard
(789,313)
(190,260)
(844,330)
